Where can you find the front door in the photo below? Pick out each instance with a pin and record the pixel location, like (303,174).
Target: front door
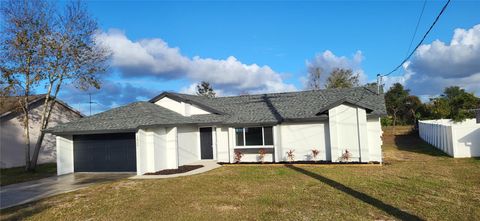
(206,145)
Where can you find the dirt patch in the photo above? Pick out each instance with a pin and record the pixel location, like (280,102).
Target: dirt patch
(181,169)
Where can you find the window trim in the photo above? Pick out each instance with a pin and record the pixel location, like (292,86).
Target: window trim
(254,146)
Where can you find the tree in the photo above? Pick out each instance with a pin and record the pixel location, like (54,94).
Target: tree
(437,108)
(342,78)
(459,103)
(66,49)
(395,99)
(314,80)
(205,89)
(22,52)
(412,104)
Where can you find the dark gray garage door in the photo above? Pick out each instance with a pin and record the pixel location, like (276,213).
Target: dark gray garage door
(104,153)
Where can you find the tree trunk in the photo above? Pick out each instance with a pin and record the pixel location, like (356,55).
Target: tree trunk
(38,145)
(45,120)
(26,130)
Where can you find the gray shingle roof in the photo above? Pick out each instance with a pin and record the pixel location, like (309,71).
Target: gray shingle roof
(277,107)
(246,109)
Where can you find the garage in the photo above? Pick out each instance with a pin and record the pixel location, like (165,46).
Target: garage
(105,153)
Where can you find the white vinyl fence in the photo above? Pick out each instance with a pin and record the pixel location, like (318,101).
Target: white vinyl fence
(456,139)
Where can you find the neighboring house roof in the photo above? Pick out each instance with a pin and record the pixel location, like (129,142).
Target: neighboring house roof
(10,104)
(232,110)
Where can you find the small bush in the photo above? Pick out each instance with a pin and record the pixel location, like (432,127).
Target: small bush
(315,153)
(346,156)
(261,155)
(238,156)
(290,155)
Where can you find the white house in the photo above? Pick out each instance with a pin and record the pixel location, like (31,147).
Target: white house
(12,142)
(175,129)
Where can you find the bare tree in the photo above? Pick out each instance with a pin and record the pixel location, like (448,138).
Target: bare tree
(73,56)
(43,46)
(22,51)
(205,89)
(314,80)
(342,78)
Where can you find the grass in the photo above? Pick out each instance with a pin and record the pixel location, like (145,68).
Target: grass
(416,182)
(18,174)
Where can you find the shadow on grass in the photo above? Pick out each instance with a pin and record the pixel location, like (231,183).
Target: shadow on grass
(22,212)
(18,174)
(413,143)
(391,210)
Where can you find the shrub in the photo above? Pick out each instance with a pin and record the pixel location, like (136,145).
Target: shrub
(346,156)
(238,156)
(261,155)
(315,153)
(290,155)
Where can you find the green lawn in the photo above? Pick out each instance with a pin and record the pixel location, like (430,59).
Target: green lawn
(18,174)
(416,182)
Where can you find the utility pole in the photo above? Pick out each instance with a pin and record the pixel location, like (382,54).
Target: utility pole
(90,102)
(379,76)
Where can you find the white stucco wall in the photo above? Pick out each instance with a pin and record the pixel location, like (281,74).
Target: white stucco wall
(172,105)
(302,138)
(188,146)
(142,147)
(159,140)
(374,130)
(64,150)
(151,150)
(252,155)
(223,149)
(194,110)
(12,143)
(231,144)
(182,108)
(347,126)
(171,150)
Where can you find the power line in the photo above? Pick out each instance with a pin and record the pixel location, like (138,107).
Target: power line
(416,27)
(421,41)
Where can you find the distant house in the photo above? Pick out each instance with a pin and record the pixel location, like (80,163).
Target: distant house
(12,142)
(175,129)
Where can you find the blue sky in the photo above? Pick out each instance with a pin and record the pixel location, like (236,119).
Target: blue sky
(281,38)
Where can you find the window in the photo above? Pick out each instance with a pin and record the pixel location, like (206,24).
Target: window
(254,136)
(268,135)
(239,136)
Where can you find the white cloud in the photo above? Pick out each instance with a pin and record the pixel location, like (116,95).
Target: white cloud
(438,65)
(328,61)
(155,58)
(388,81)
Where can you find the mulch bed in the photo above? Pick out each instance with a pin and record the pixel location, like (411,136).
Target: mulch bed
(181,169)
(302,162)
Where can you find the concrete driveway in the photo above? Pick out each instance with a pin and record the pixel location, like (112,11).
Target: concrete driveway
(17,194)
